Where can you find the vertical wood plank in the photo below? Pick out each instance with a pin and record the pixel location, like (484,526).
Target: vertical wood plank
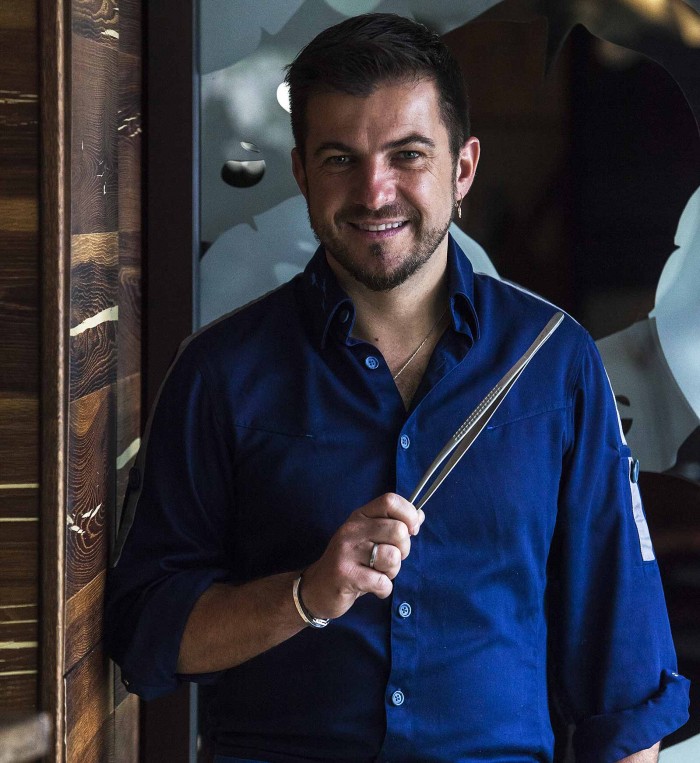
(19,363)
(55,199)
(88,708)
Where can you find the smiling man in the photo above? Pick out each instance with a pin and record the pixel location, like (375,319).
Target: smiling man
(268,550)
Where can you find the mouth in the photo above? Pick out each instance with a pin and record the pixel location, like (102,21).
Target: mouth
(387,228)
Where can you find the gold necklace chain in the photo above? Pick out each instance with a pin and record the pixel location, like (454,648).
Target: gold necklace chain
(420,346)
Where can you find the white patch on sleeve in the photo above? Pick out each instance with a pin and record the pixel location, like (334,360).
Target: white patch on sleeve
(640,520)
(617,412)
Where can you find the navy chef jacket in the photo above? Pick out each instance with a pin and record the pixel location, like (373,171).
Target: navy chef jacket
(533,574)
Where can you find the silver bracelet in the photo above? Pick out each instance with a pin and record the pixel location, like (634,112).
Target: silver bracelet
(307,617)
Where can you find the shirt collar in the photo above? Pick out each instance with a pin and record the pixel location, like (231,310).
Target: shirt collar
(333,312)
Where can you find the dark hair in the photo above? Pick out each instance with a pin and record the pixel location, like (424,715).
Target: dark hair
(362,52)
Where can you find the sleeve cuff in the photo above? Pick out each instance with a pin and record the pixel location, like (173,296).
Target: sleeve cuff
(609,738)
(149,663)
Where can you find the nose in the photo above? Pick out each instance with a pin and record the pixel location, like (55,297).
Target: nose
(376,184)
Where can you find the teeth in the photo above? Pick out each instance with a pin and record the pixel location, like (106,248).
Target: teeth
(384,226)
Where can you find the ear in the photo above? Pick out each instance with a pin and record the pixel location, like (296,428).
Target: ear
(466,166)
(299,172)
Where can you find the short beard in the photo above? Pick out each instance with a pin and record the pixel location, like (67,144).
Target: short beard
(425,246)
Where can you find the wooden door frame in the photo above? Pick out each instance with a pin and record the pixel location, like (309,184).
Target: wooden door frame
(54,227)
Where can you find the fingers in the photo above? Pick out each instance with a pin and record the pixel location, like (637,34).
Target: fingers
(387,559)
(334,582)
(393,506)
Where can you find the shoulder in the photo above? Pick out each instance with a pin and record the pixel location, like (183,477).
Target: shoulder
(250,331)
(503,306)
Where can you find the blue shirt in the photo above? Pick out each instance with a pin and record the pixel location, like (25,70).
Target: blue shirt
(532,578)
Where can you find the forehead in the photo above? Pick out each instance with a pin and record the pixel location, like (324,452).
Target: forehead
(391,111)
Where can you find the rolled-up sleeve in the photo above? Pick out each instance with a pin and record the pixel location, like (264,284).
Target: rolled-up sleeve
(174,539)
(613,660)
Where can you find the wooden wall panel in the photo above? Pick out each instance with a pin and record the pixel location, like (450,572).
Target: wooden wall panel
(94,169)
(84,620)
(105,357)
(91,484)
(19,440)
(19,542)
(19,315)
(88,706)
(70,366)
(19,358)
(94,263)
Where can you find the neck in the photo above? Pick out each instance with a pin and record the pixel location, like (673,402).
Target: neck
(405,323)
(403,314)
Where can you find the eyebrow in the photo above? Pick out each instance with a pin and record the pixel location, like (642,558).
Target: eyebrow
(394,144)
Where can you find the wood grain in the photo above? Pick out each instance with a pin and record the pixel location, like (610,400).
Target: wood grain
(130,23)
(22,503)
(14,657)
(19,366)
(55,249)
(19,147)
(20,213)
(96,20)
(93,359)
(19,630)
(94,270)
(129,297)
(99,746)
(84,611)
(19,440)
(18,62)
(128,432)
(19,313)
(19,541)
(19,562)
(19,537)
(99,202)
(129,147)
(18,14)
(18,693)
(89,706)
(94,168)
(91,486)
(19,594)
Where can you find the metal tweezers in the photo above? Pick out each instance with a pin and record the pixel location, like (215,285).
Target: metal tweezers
(464,437)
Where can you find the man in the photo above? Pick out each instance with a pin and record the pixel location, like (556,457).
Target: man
(531,581)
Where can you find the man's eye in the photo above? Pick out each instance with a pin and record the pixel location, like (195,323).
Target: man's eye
(338,160)
(409,155)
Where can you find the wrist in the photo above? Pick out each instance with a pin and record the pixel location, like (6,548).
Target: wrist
(308,617)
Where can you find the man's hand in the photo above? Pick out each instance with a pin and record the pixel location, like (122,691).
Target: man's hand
(230,624)
(333,583)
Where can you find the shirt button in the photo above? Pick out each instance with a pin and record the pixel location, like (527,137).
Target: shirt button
(371,362)
(397,698)
(405,441)
(405,609)
(634,470)
(344,315)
